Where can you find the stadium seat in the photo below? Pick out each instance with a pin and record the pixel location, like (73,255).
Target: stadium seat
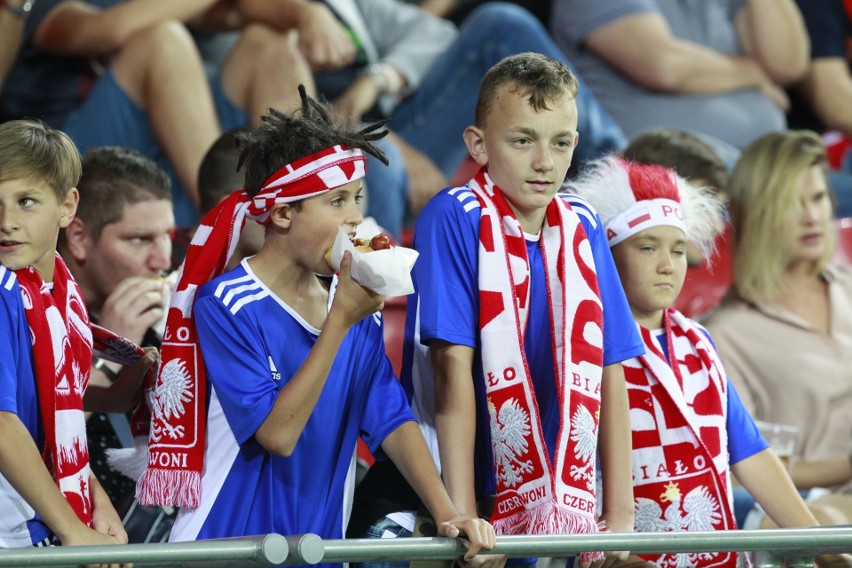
(394,316)
(843,254)
(706,286)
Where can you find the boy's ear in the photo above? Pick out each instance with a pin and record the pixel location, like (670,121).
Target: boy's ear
(69,207)
(78,239)
(474,139)
(282,215)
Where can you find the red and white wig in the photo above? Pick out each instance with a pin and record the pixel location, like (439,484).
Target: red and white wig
(630,198)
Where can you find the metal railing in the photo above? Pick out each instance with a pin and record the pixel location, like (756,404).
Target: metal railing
(276,550)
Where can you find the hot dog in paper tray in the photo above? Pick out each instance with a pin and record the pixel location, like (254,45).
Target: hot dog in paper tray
(386,271)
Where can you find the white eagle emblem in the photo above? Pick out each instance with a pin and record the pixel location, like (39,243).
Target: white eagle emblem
(79,379)
(583,434)
(509,430)
(171,392)
(699,511)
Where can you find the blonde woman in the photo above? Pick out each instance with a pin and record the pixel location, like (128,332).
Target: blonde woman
(785,332)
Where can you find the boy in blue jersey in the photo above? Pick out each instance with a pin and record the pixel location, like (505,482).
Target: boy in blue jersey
(47,490)
(295,358)
(690,428)
(517,329)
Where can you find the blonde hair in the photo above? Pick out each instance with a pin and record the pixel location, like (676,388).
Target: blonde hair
(764,194)
(32,151)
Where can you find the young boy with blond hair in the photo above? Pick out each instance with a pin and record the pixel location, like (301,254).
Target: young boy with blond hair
(293,355)
(47,490)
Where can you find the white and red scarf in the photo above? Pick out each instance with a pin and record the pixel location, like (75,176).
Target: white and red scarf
(534,494)
(62,353)
(678,415)
(177,398)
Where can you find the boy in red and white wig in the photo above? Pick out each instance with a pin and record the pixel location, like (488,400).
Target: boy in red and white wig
(690,429)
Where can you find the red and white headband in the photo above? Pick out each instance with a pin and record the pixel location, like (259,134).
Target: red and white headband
(307,177)
(312,175)
(644,215)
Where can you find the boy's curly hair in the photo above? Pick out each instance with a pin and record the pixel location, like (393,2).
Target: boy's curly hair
(285,138)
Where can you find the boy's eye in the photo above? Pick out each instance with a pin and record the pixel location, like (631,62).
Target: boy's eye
(358,199)
(564,144)
(336,202)
(27,202)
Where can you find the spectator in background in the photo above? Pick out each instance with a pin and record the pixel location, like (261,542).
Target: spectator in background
(826,88)
(218,177)
(822,101)
(687,154)
(457,10)
(423,74)
(785,334)
(126,72)
(117,247)
(12,16)
(713,67)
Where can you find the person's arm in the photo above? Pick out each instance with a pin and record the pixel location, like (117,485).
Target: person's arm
(643,48)
(822,473)
(455,420)
(774,33)
(136,304)
(11,32)
(105,520)
(323,40)
(295,403)
(407,449)
(104,395)
(614,450)
(764,476)
(21,464)
(827,87)
(77,28)
(408,39)
(440,8)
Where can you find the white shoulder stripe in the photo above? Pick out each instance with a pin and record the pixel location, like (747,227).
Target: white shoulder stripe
(581,207)
(263,293)
(233,291)
(226,283)
(466,197)
(7,278)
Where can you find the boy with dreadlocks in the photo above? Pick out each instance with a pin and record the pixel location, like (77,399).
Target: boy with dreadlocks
(293,355)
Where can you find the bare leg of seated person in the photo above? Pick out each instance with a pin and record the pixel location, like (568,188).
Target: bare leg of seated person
(160,69)
(263,70)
